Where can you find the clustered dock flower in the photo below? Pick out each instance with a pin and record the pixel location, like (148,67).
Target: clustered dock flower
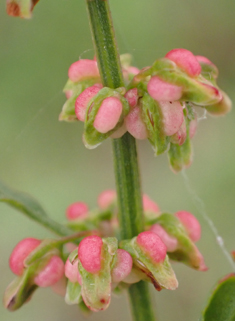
(93,267)
(158,103)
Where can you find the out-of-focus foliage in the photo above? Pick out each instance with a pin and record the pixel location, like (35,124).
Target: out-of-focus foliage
(47,158)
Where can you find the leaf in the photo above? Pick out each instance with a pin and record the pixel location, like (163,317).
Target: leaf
(221,306)
(73,293)
(31,208)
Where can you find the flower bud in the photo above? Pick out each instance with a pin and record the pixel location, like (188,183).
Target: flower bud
(83,69)
(89,253)
(78,210)
(191,224)
(122,267)
(135,125)
(83,100)
(186,61)
(20,253)
(170,242)
(106,198)
(51,273)
(163,91)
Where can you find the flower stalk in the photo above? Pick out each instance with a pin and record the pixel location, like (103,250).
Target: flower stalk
(124,149)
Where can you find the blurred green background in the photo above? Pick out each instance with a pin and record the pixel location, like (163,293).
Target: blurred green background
(47,159)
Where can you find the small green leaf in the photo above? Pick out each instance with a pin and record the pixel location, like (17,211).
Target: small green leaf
(31,208)
(152,117)
(73,293)
(221,306)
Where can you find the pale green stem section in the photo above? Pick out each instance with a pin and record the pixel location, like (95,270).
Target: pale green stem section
(124,149)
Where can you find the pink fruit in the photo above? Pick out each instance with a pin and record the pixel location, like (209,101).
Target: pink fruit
(83,100)
(191,224)
(108,114)
(20,253)
(106,198)
(170,241)
(152,245)
(122,267)
(51,274)
(149,205)
(83,69)
(135,125)
(173,116)
(78,210)
(71,271)
(89,253)
(163,91)
(132,97)
(185,60)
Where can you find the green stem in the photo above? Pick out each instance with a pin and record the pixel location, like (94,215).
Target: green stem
(124,149)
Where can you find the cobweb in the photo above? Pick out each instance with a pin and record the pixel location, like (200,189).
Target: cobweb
(200,205)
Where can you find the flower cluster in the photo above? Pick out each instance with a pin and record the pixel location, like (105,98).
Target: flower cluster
(158,103)
(89,265)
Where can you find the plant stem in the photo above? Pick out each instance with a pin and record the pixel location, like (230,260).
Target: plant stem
(124,149)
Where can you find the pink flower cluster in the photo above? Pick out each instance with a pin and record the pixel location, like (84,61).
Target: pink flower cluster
(168,96)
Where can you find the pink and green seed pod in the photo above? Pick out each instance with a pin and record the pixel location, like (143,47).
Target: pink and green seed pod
(78,210)
(108,114)
(191,224)
(89,253)
(152,245)
(51,273)
(106,198)
(20,253)
(83,100)
(170,241)
(83,69)
(162,91)
(186,61)
(122,267)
